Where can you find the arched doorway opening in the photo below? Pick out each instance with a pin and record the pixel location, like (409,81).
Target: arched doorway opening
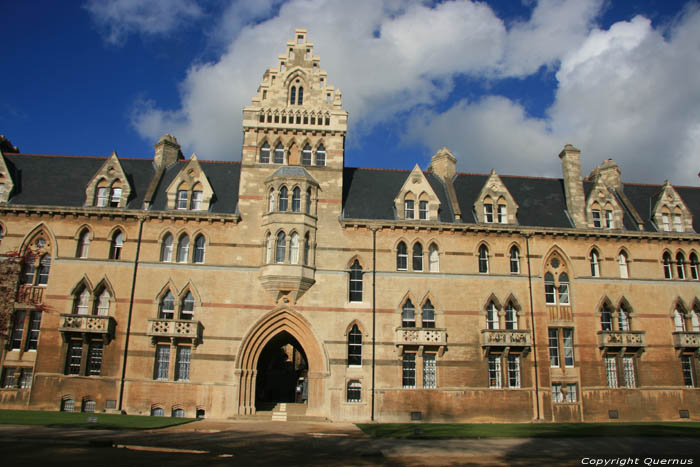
(260,352)
(282,371)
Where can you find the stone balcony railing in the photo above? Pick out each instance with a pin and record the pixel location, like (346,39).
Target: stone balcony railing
(87,325)
(421,337)
(513,338)
(181,329)
(686,340)
(30,294)
(622,339)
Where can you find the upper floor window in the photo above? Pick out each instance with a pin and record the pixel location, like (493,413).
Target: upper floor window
(182,199)
(294,248)
(283,202)
(563,289)
(514,260)
(408,315)
(293,95)
(417,257)
(401,257)
(268,248)
(623,318)
(680,265)
(502,213)
(488,212)
(307,248)
(492,320)
(668,271)
(103,300)
(609,221)
(595,265)
(408,208)
(428,315)
(82,302)
(483,259)
(307,208)
(300,99)
(83,244)
(511,316)
(355,346)
(355,285)
(279,154)
(296,199)
(694,266)
(116,197)
(423,210)
(677,222)
(101,197)
(434,258)
(665,222)
(271,200)
(597,222)
(196,200)
(306,155)
(167,306)
(622,262)
(115,251)
(561,340)
(187,306)
(44,269)
(199,249)
(183,248)
(321,155)
(682,321)
(265,153)
(166,251)
(280,247)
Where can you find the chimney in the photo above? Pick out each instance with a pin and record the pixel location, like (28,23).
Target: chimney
(444,164)
(573,184)
(167,151)
(609,172)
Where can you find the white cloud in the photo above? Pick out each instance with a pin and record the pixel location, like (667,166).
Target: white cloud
(119,18)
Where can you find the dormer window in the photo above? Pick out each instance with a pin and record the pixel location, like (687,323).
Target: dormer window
(665,222)
(488,213)
(116,197)
(101,199)
(609,222)
(677,222)
(502,214)
(196,200)
(408,208)
(182,199)
(597,222)
(423,210)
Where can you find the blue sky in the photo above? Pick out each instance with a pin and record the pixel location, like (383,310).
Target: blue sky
(503,84)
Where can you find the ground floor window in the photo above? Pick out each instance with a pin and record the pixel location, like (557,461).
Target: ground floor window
(182,363)
(157,412)
(162,362)
(89,406)
(81,361)
(429,371)
(495,372)
(689,376)
(564,393)
(178,413)
(74,357)
(621,371)
(512,371)
(94,363)
(67,405)
(354,391)
(409,370)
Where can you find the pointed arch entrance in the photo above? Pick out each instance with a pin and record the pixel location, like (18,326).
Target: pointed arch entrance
(260,351)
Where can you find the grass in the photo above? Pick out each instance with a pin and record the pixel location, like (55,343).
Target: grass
(80,420)
(527,430)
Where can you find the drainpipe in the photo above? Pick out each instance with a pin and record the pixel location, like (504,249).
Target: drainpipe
(374,308)
(131,309)
(532,317)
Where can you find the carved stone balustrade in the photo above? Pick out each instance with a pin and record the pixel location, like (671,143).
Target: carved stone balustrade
(175,329)
(421,337)
(686,340)
(622,340)
(87,326)
(30,294)
(516,340)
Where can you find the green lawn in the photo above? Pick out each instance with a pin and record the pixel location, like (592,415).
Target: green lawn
(104,421)
(527,430)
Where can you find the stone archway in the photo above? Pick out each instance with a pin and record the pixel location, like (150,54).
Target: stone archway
(265,330)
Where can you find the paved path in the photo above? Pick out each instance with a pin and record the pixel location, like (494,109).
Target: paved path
(243,443)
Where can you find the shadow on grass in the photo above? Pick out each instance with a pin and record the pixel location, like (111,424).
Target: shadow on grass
(93,421)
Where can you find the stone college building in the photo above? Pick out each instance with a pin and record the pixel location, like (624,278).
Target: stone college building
(186,287)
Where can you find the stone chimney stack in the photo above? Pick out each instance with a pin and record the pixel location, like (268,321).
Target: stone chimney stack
(573,184)
(444,164)
(610,174)
(167,151)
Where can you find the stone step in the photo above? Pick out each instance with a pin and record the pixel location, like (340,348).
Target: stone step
(279,416)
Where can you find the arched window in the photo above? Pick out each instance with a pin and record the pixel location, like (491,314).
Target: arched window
(622,262)
(283,202)
(307,248)
(44,269)
(321,155)
(28,270)
(423,210)
(354,391)
(355,285)
(183,249)
(271,200)
(563,289)
(268,247)
(280,247)
(483,259)
(514,260)
(101,196)
(308,201)
(408,315)
(300,101)
(115,251)
(199,249)
(434,258)
(550,296)
(605,318)
(491,316)
(355,346)
(167,306)
(83,244)
(488,211)
(197,194)
(306,155)
(694,267)
(187,306)
(409,207)
(116,196)
(296,199)
(294,248)
(157,412)
(623,319)
(595,266)
(694,320)
(166,252)
(401,257)
(428,315)
(265,153)
(668,271)
(511,316)
(103,303)
(417,257)
(678,321)
(292,95)
(680,265)
(82,303)
(279,154)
